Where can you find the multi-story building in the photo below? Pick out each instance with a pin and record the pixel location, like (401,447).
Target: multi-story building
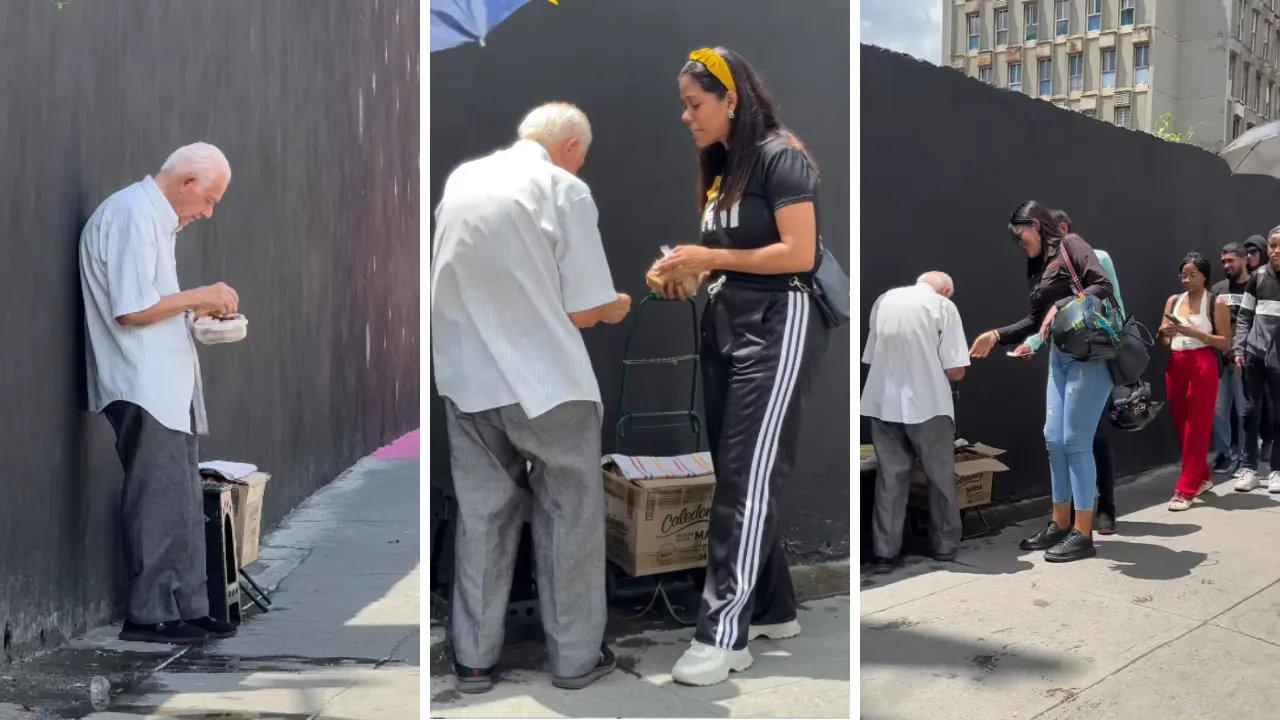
(1212,65)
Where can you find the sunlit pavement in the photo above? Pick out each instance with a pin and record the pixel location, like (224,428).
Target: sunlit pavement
(1177,617)
(342,641)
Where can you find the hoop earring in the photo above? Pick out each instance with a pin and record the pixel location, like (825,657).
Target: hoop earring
(730,114)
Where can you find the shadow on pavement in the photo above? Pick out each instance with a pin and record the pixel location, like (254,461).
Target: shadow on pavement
(897,643)
(1136,528)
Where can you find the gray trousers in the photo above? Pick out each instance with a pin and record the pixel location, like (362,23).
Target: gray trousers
(162,510)
(897,447)
(502,460)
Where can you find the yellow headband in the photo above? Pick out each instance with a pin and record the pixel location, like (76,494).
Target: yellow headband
(715,65)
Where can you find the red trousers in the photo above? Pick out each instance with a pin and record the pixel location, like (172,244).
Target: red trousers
(1191,382)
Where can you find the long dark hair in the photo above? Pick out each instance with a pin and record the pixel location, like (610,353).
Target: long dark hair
(755,120)
(1032,210)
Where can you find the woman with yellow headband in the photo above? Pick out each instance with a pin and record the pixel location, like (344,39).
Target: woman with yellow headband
(762,342)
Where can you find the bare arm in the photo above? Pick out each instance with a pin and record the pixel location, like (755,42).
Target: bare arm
(611,313)
(955,374)
(1165,333)
(1220,338)
(169,305)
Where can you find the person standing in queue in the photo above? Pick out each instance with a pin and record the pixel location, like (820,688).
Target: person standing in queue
(1256,257)
(762,341)
(1060,267)
(1255,353)
(1103,455)
(1228,411)
(1194,325)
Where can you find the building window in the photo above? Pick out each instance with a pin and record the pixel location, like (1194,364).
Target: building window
(1090,113)
(1235,128)
(1253,33)
(1257,89)
(1002,27)
(1093,12)
(1244,86)
(1141,68)
(1044,75)
(1061,18)
(974,26)
(1266,40)
(1031,19)
(984,74)
(1240,19)
(1108,68)
(1122,117)
(1126,13)
(1075,66)
(1015,76)
(1275,49)
(1231,75)
(1266,100)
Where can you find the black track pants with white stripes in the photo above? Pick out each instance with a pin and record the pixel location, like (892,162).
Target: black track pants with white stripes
(760,352)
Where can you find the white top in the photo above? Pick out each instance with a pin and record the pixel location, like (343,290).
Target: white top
(127,263)
(1201,320)
(516,248)
(914,335)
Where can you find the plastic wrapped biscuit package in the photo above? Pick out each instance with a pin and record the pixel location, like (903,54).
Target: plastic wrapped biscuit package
(651,278)
(215,331)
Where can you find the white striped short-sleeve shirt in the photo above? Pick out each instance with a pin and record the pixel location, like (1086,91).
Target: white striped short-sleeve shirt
(127,264)
(516,248)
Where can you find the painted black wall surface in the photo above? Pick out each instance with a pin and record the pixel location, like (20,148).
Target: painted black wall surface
(621,67)
(946,159)
(315,103)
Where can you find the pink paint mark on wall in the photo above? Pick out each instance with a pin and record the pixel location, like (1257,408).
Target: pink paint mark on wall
(408,447)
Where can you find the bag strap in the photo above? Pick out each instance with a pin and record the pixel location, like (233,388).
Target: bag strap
(1066,260)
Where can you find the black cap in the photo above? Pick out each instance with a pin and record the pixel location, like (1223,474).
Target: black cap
(1256,241)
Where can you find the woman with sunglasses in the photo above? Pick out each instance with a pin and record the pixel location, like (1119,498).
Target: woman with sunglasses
(762,341)
(1059,267)
(1194,326)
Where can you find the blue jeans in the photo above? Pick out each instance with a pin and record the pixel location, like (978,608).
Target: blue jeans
(1228,413)
(1074,397)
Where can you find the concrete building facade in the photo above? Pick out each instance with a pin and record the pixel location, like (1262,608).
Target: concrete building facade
(1212,65)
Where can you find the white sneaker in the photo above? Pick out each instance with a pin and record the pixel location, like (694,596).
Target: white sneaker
(1246,480)
(708,665)
(1179,503)
(1273,482)
(777,631)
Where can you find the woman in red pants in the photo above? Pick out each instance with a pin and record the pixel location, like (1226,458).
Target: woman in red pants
(1196,327)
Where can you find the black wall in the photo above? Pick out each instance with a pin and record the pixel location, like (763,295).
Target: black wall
(946,159)
(318,233)
(619,62)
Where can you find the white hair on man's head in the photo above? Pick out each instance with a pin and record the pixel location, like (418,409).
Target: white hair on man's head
(201,159)
(939,281)
(555,122)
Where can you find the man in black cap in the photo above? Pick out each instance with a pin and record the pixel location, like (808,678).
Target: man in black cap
(1256,249)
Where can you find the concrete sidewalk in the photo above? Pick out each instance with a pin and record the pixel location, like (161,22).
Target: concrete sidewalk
(342,641)
(1177,617)
(806,676)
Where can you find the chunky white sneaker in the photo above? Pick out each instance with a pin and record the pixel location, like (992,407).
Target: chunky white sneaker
(1273,482)
(707,665)
(1180,502)
(1246,480)
(777,631)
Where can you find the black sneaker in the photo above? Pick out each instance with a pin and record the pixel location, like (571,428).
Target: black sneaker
(948,556)
(1223,465)
(1045,539)
(1106,522)
(473,680)
(1266,453)
(217,629)
(604,666)
(880,565)
(174,633)
(1074,546)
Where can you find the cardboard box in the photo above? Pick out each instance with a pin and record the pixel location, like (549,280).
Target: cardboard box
(976,466)
(656,526)
(247,494)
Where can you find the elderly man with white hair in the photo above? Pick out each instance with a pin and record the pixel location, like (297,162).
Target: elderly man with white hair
(518,270)
(916,348)
(144,376)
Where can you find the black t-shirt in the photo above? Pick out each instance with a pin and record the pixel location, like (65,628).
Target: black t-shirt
(781,176)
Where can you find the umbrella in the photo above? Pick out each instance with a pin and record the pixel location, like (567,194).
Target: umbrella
(1257,152)
(457,22)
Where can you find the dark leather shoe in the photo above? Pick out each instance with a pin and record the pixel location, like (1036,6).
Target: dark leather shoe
(172,633)
(1074,546)
(473,680)
(1106,522)
(605,665)
(1045,539)
(948,556)
(217,629)
(880,565)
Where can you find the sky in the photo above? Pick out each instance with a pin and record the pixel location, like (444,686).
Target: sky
(910,26)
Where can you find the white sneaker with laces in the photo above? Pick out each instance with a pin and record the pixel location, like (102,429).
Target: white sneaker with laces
(1246,480)
(777,631)
(703,665)
(1273,482)
(1179,503)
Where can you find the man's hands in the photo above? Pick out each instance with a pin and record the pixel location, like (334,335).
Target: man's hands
(218,300)
(614,312)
